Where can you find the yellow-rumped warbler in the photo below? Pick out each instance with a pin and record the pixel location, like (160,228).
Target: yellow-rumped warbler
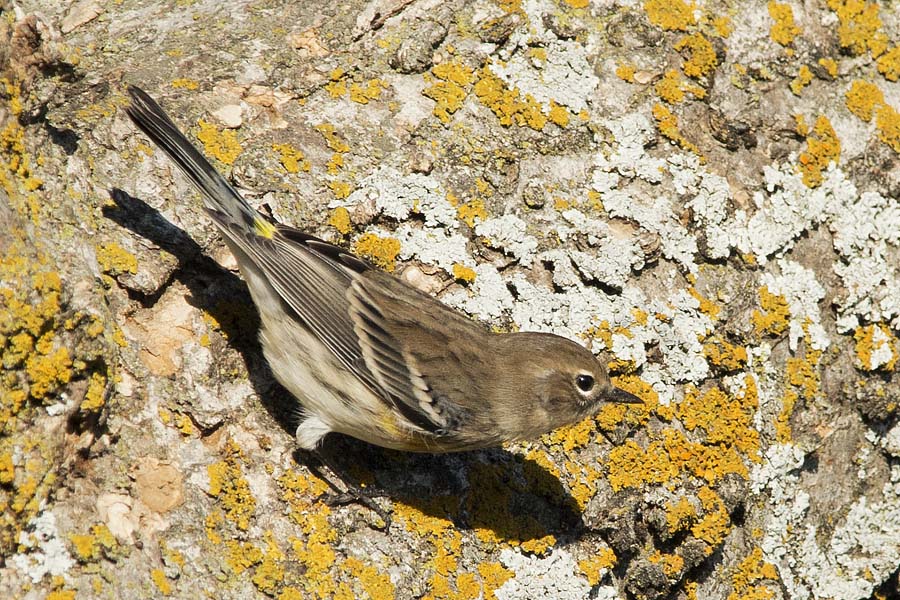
(371,357)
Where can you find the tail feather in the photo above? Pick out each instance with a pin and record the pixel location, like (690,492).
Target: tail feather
(219,195)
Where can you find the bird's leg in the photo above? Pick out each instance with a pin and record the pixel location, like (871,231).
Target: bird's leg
(352,492)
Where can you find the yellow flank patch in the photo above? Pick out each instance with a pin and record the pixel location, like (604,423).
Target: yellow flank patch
(263,228)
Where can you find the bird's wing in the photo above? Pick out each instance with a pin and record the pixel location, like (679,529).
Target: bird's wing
(417,348)
(315,279)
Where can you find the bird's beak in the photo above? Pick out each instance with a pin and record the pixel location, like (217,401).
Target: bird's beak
(623,397)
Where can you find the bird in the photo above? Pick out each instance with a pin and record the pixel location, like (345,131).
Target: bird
(371,357)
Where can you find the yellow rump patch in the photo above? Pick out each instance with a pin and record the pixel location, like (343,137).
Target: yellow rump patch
(263,228)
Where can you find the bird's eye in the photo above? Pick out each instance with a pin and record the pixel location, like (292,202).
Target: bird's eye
(585,383)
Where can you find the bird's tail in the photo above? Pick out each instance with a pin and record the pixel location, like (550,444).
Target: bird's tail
(219,196)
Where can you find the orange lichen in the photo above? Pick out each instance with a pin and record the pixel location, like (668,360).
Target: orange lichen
(382,251)
(508,105)
(774,317)
(876,348)
(822,148)
(862,98)
(888,64)
(703,56)
(667,123)
(887,120)
(449,91)
(671,15)
(747,576)
(680,515)
(723,355)
(595,566)
(783,30)
(859,26)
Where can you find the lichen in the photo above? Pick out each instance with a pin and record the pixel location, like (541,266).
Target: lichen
(783,30)
(291,158)
(671,15)
(221,145)
(822,148)
(382,251)
(228,485)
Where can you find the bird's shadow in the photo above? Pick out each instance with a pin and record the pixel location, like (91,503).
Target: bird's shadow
(504,495)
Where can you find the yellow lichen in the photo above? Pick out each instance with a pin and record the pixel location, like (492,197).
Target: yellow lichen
(725,419)
(775,314)
(747,576)
(803,78)
(703,56)
(822,148)
(508,105)
(724,355)
(887,120)
(783,30)
(291,159)
(888,64)
(723,26)
(228,485)
(671,15)
(340,189)
(95,396)
(493,576)
(115,260)
(332,138)
(859,27)
(671,564)
(669,87)
(680,515)
(463,273)
(340,220)
(830,65)
(382,251)
(162,584)
(376,585)
(449,91)
(625,72)
(222,145)
(472,211)
(558,115)
(667,123)
(876,348)
(365,92)
(716,523)
(185,84)
(595,566)
(862,98)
